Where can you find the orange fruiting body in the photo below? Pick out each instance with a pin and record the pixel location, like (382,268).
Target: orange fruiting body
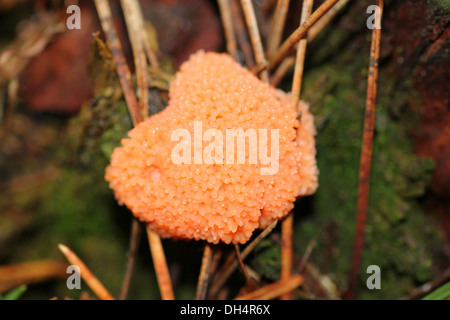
(218,201)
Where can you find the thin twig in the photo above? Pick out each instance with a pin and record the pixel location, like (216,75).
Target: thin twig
(241,34)
(132,251)
(104,13)
(281,71)
(312,243)
(91,280)
(216,258)
(160,264)
(203,278)
(299,33)
(288,223)
(300,57)
(255,37)
(306,255)
(229,268)
(276,31)
(131,14)
(14,275)
(286,250)
(428,287)
(140,23)
(288,62)
(215,261)
(259,68)
(227,22)
(325,20)
(241,263)
(366,155)
(274,290)
(325,285)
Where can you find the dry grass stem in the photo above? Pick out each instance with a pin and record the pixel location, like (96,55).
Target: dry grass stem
(204,276)
(306,255)
(288,62)
(299,33)
(366,156)
(144,39)
(276,30)
(325,20)
(281,71)
(274,290)
(227,22)
(300,57)
(14,275)
(231,264)
(287,227)
(241,33)
(132,251)
(423,290)
(255,37)
(326,285)
(133,12)
(104,13)
(160,264)
(140,62)
(241,263)
(259,68)
(288,223)
(90,279)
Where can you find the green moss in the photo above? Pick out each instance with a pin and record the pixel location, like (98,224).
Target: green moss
(444,4)
(111,137)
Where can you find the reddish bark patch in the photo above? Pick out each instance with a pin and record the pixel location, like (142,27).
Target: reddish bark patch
(57,80)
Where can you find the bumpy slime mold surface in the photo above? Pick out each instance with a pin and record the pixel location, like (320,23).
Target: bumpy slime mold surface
(218,201)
